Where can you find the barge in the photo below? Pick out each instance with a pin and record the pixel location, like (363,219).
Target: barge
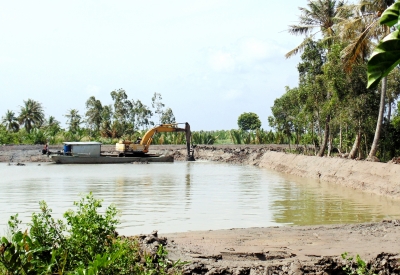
(90,153)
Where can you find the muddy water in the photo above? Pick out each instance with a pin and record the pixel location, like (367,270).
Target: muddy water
(180,196)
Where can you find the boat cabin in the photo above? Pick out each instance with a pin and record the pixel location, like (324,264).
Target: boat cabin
(82,149)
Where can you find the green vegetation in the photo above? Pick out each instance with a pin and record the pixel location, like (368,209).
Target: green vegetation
(386,55)
(249,121)
(85,243)
(333,106)
(357,266)
(124,119)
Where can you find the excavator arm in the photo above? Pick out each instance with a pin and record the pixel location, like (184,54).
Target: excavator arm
(146,140)
(148,136)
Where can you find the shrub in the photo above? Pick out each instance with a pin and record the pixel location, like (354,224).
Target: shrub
(86,243)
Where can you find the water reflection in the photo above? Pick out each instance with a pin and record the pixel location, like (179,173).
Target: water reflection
(188,180)
(321,203)
(187,196)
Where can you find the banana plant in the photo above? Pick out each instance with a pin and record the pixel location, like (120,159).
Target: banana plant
(386,55)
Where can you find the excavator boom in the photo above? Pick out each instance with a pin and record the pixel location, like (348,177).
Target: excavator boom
(144,144)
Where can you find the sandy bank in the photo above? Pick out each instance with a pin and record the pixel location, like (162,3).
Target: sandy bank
(288,250)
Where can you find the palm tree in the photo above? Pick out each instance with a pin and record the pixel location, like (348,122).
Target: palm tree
(365,24)
(52,125)
(31,115)
(10,121)
(73,120)
(52,121)
(323,16)
(320,15)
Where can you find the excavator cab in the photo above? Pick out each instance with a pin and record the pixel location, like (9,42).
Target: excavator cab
(141,145)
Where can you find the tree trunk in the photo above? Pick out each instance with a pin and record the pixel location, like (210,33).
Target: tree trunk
(356,145)
(374,146)
(329,145)
(340,137)
(360,152)
(326,137)
(347,136)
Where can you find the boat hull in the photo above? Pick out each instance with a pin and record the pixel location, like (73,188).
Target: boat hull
(61,159)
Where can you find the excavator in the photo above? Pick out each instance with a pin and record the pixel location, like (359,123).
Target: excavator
(141,146)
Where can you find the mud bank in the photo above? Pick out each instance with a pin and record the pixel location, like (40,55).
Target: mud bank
(288,250)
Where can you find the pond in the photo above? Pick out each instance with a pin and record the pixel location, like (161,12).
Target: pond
(183,196)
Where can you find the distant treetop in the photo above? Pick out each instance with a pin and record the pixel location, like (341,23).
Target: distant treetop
(249,121)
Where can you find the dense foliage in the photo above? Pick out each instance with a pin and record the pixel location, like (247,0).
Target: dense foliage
(85,243)
(332,108)
(249,121)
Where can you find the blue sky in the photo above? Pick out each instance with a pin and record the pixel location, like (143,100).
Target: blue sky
(210,60)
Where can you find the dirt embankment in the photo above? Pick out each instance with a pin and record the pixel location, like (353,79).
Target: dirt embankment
(280,250)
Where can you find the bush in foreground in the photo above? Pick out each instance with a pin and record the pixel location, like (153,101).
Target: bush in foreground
(85,243)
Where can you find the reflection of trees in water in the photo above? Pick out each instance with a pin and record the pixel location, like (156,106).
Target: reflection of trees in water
(188,182)
(297,205)
(250,191)
(155,191)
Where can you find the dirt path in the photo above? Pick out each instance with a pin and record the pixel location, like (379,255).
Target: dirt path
(280,250)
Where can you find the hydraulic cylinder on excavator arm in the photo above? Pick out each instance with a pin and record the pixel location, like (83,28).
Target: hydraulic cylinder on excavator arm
(142,147)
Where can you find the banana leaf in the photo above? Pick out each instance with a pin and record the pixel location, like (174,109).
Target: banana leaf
(390,16)
(385,57)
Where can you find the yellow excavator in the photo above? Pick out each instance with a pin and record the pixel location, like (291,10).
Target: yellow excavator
(141,146)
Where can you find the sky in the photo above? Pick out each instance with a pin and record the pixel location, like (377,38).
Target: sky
(210,60)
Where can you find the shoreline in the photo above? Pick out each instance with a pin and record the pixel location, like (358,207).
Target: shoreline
(286,249)
(371,177)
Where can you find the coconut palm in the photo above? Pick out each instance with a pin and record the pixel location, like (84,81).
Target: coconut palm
(52,126)
(31,115)
(319,18)
(365,24)
(52,121)
(73,120)
(10,121)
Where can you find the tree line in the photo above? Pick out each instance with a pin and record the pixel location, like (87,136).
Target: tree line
(122,118)
(331,107)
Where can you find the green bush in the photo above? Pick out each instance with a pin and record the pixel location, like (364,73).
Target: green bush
(86,243)
(356,266)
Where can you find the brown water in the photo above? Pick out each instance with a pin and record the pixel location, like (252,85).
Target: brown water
(180,196)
